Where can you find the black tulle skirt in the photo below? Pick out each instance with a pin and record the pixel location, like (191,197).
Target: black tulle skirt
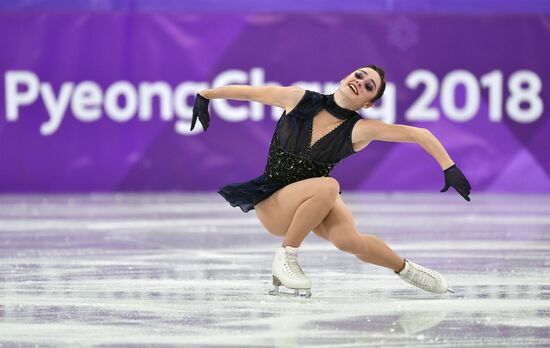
(249,193)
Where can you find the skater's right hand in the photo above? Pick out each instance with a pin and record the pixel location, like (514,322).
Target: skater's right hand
(200,111)
(455,178)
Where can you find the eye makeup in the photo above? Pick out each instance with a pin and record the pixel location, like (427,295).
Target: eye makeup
(368,86)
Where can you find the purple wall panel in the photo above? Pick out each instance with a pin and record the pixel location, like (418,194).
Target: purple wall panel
(268,6)
(77,113)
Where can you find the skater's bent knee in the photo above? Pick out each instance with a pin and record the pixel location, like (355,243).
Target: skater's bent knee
(331,182)
(328,188)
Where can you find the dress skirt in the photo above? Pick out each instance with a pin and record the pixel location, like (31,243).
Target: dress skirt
(247,194)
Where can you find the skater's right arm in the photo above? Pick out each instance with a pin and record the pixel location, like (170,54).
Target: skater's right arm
(284,97)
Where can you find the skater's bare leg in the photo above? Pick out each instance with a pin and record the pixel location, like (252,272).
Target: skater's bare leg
(339,228)
(379,253)
(297,208)
(310,214)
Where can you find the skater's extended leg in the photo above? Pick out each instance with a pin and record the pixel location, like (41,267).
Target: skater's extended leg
(339,228)
(296,209)
(376,251)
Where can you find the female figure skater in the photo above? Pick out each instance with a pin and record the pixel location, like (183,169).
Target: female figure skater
(296,195)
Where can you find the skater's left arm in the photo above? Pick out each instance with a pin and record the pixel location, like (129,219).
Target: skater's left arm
(369,130)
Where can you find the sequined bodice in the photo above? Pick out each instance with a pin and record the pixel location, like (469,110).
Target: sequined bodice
(291,158)
(287,167)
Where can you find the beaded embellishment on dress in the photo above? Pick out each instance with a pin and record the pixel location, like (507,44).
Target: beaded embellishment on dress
(286,167)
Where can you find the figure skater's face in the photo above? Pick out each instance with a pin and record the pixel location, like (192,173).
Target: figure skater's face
(361,86)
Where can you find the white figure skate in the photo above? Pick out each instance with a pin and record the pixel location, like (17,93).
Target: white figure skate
(423,278)
(288,273)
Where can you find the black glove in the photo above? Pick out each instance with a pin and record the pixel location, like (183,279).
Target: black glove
(200,111)
(455,178)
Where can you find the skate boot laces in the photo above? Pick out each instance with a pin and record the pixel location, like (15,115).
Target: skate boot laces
(294,267)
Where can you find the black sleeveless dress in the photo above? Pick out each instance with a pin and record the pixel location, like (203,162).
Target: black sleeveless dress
(290,158)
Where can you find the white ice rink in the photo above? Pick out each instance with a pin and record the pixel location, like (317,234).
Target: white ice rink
(190,270)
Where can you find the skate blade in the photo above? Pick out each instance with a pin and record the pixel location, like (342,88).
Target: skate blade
(300,293)
(451,291)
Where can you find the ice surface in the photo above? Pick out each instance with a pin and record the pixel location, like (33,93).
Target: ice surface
(190,270)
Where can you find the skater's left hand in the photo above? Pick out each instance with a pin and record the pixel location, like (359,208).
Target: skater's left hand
(455,178)
(200,111)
